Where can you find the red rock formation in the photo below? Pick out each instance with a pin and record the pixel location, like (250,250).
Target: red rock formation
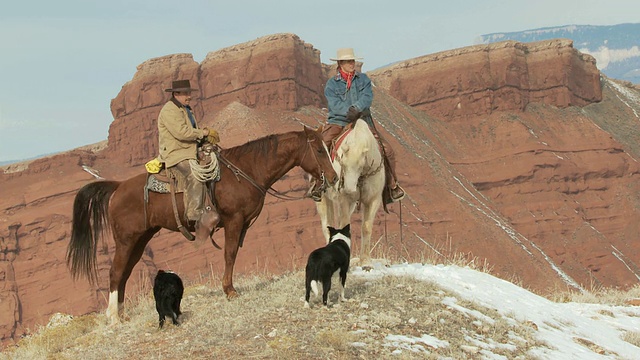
(503,76)
(135,109)
(279,72)
(534,185)
(274,72)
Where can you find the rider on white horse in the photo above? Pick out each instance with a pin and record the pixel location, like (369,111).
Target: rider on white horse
(349,98)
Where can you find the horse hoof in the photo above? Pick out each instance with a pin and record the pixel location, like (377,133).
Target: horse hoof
(112,322)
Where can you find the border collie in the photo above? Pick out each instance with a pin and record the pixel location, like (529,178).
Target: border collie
(328,260)
(167,291)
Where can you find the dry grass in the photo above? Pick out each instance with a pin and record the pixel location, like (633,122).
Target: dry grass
(268,321)
(632,337)
(598,295)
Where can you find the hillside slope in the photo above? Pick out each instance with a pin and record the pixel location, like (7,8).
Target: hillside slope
(405,311)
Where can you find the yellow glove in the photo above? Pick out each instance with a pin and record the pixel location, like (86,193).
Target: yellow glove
(154,166)
(213,137)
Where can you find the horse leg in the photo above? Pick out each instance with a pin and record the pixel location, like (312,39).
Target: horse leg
(368,214)
(127,255)
(233,230)
(345,208)
(326,213)
(120,258)
(113,308)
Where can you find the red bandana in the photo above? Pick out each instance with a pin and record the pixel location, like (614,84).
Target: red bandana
(348,77)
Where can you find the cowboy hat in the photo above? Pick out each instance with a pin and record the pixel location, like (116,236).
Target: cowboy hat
(345,54)
(180,86)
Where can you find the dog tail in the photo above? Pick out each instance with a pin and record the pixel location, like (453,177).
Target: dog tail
(314,287)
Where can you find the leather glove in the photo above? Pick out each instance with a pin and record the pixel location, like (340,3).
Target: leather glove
(353,114)
(213,137)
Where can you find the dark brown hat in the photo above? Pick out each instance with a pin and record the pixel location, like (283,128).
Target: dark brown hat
(180,86)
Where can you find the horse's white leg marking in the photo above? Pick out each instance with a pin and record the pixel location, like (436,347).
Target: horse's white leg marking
(345,208)
(114,308)
(323,211)
(368,214)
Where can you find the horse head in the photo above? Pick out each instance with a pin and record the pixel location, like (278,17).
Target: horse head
(316,161)
(352,161)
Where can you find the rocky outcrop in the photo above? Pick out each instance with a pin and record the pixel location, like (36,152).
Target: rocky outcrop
(279,72)
(275,72)
(9,299)
(505,76)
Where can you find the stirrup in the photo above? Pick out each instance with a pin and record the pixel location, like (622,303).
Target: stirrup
(314,192)
(397,193)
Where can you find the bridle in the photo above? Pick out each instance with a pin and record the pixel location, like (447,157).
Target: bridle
(323,185)
(372,171)
(239,173)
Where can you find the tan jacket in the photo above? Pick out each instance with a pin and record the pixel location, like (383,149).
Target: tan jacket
(177,139)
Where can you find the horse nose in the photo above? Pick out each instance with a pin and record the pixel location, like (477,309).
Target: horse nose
(333,178)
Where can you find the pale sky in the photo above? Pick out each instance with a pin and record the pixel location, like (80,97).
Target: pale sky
(61,62)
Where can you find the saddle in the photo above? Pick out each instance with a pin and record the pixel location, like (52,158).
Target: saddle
(169,181)
(335,143)
(333,150)
(159,183)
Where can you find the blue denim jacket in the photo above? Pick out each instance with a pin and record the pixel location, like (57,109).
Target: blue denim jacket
(339,99)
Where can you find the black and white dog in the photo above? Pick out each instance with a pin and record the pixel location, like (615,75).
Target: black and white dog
(167,291)
(326,261)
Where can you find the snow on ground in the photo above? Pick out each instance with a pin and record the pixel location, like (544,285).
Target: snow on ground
(629,95)
(570,330)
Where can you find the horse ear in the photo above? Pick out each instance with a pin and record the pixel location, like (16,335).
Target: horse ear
(311,134)
(307,130)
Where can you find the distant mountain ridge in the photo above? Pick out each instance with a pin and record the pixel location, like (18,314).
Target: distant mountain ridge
(616,48)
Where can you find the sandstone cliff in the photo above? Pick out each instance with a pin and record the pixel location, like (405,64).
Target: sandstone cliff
(278,72)
(516,155)
(503,76)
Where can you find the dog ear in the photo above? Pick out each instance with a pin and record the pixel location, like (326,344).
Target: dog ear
(332,231)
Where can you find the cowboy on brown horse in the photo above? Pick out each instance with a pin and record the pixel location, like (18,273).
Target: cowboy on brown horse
(178,140)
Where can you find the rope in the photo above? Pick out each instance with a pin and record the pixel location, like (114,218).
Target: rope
(207,172)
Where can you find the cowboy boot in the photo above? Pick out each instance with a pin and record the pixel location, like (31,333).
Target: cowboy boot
(206,224)
(396,192)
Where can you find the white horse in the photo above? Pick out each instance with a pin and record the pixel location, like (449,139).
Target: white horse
(360,166)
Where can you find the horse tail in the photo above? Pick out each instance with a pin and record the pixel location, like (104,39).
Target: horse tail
(90,221)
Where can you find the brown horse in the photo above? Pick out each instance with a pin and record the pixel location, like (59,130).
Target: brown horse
(239,195)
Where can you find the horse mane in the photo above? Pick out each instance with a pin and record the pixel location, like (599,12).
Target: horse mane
(261,147)
(361,137)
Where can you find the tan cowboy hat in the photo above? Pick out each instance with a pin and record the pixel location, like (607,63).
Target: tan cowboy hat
(180,86)
(346,54)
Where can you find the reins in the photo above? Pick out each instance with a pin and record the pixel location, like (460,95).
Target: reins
(239,173)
